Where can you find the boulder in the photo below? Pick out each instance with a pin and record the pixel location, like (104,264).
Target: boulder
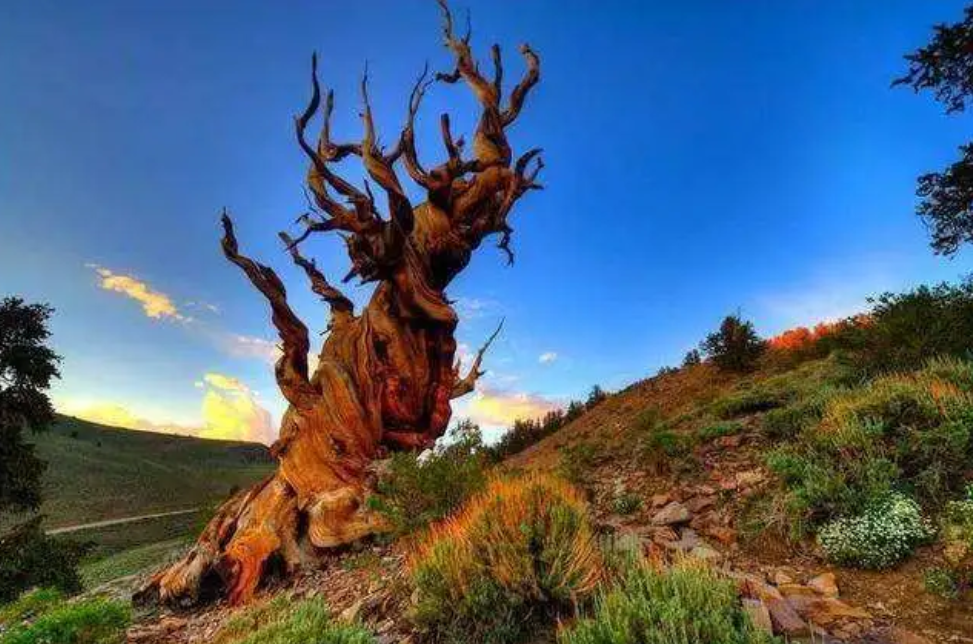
(672,514)
(825,584)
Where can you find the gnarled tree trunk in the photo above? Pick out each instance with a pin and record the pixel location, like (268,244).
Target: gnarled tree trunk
(386,375)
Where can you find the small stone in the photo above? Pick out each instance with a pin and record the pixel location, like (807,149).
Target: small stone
(700,503)
(750,477)
(705,553)
(658,500)
(353,612)
(791,590)
(759,615)
(726,536)
(672,514)
(825,584)
(730,442)
(781,578)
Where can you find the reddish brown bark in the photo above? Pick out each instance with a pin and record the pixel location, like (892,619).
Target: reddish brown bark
(386,375)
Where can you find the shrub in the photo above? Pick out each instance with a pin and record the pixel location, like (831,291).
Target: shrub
(904,329)
(94,621)
(626,503)
(518,555)
(661,446)
(957,537)
(750,401)
(283,621)
(29,605)
(942,582)
(884,534)
(30,558)
(687,604)
(418,491)
(576,462)
(735,346)
(717,430)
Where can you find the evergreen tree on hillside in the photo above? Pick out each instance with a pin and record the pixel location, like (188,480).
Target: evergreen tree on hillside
(945,67)
(692,358)
(735,346)
(28,557)
(27,366)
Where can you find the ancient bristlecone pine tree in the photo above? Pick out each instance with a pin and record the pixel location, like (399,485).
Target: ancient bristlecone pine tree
(386,375)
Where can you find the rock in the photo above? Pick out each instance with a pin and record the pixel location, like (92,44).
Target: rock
(353,612)
(658,500)
(826,610)
(672,514)
(781,578)
(726,536)
(759,615)
(705,553)
(791,590)
(825,584)
(700,503)
(785,619)
(750,477)
(730,442)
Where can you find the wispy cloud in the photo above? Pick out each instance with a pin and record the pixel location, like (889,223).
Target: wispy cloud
(229,411)
(155,304)
(206,306)
(547,357)
(473,308)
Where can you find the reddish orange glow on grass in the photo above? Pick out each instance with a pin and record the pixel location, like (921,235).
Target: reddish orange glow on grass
(496,533)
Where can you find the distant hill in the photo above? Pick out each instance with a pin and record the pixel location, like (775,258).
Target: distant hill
(95,472)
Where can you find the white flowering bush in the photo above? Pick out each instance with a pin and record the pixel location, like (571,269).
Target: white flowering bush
(885,533)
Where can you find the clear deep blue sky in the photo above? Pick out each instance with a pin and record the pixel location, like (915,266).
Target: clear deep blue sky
(702,157)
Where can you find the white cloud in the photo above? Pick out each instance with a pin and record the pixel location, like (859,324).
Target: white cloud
(473,308)
(547,357)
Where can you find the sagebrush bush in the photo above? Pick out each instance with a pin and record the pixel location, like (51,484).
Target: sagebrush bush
(418,491)
(882,535)
(285,621)
(749,401)
(576,462)
(93,621)
(686,604)
(518,555)
(626,503)
(956,533)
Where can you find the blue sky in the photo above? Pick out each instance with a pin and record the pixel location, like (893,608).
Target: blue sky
(702,157)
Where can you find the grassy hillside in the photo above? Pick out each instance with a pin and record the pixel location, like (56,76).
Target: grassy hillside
(96,472)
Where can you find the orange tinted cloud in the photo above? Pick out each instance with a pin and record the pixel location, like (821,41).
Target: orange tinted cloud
(230,411)
(491,407)
(155,304)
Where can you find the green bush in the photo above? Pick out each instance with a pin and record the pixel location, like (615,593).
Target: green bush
(750,401)
(93,621)
(29,605)
(515,559)
(626,503)
(30,558)
(709,432)
(941,582)
(418,491)
(884,534)
(283,621)
(687,604)
(902,330)
(577,461)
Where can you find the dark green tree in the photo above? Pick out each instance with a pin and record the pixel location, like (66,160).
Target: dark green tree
(27,366)
(945,68)
(692,358)
(735,346)
(28,557)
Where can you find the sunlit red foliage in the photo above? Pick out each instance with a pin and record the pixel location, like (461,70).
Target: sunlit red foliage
(802,338)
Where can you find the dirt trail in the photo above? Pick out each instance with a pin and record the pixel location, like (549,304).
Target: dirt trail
(110,522)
